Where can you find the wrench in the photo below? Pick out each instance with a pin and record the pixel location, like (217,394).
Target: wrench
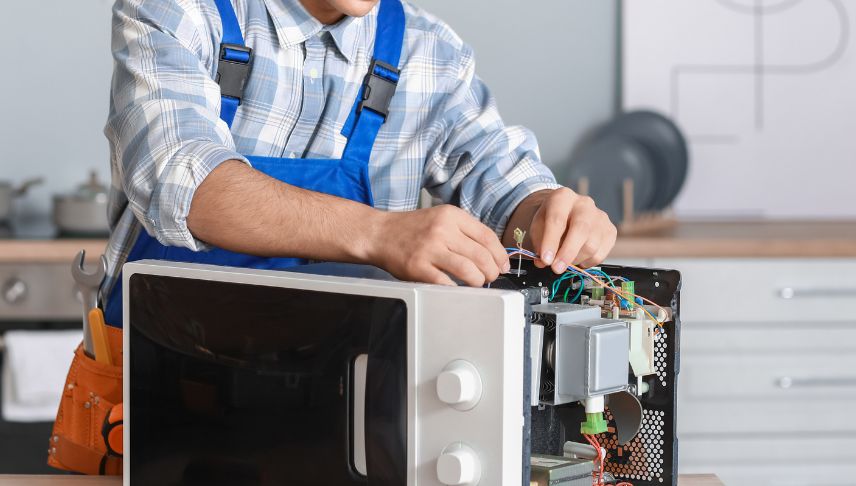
(88,284)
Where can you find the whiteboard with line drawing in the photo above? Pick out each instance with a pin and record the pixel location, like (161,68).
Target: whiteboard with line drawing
(765,91)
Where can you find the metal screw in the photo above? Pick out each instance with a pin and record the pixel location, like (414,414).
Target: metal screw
(545,292)
(53,451)
(87,405)
(56,439)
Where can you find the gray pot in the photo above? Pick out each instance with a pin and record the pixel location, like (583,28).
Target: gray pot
(83,212)
(9,192)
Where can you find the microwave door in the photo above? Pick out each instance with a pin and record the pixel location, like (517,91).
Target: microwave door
(252,386)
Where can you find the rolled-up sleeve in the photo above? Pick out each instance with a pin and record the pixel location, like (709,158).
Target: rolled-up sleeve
(482,165)
(164,129)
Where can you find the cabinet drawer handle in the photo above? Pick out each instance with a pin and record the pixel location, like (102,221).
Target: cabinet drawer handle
(788,293)
(787,382)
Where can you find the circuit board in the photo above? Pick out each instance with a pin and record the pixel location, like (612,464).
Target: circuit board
(651,456)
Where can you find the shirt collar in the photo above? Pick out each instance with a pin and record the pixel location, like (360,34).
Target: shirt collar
(294,25)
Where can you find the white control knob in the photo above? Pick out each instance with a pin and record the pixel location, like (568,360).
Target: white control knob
(458,465)
(459,385)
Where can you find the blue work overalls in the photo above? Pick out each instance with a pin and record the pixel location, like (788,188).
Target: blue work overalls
(347,177)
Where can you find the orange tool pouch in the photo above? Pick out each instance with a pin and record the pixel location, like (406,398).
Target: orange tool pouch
(91,390)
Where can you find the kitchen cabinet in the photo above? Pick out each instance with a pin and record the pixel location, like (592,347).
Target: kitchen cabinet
(768,369)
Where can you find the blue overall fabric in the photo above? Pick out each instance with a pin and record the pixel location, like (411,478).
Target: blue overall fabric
(347,177)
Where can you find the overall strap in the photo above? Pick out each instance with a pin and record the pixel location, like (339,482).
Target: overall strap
(372,105)
(233,66)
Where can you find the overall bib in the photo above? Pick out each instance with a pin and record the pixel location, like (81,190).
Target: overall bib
(347,177)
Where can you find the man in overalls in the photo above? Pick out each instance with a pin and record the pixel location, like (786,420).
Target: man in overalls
(265,133)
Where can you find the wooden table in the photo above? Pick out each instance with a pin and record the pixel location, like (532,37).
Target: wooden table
(744,239)
(685,480)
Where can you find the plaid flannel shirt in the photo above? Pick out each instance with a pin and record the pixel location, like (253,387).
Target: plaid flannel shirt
(443,133)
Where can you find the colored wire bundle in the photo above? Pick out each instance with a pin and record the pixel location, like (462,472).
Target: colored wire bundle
(590,274)
(597,474)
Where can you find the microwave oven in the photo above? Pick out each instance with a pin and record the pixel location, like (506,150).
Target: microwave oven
(339,375)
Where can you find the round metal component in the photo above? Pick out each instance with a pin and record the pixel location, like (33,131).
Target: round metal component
(459,385)
(458,465)
(15,291)
(550,353)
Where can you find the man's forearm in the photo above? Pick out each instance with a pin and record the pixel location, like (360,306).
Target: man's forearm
(240,209)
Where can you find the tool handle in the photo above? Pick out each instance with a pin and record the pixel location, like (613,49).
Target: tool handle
(98,330)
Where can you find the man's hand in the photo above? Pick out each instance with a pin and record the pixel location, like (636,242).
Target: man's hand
(564,228)
(430,245)
(240,209)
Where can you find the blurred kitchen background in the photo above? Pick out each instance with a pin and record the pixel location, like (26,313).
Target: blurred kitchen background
(719,133)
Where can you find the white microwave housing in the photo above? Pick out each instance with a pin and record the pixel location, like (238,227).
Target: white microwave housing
(475,335)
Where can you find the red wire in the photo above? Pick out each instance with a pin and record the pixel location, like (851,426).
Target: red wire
(597,475)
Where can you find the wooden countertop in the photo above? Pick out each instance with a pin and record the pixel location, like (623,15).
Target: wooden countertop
(49,251)
(749,239)
(694,240)
(684,480)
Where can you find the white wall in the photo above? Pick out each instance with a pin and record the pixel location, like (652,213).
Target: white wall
(550,63)
(765,97)
(55,84)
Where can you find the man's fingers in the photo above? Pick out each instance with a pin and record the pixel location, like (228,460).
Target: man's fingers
(586,257)
(436,276)
(583,235)
(555,221)
(479,255)
(487,239)
(590,246)
(575,238)
(604,247)
(461,268)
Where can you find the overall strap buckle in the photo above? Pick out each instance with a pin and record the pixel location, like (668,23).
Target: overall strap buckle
(233,70)
(379,87)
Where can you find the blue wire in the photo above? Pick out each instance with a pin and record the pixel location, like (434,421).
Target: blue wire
(602,274)
(570,273)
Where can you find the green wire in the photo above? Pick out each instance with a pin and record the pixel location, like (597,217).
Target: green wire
(579,292)
(558,283)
